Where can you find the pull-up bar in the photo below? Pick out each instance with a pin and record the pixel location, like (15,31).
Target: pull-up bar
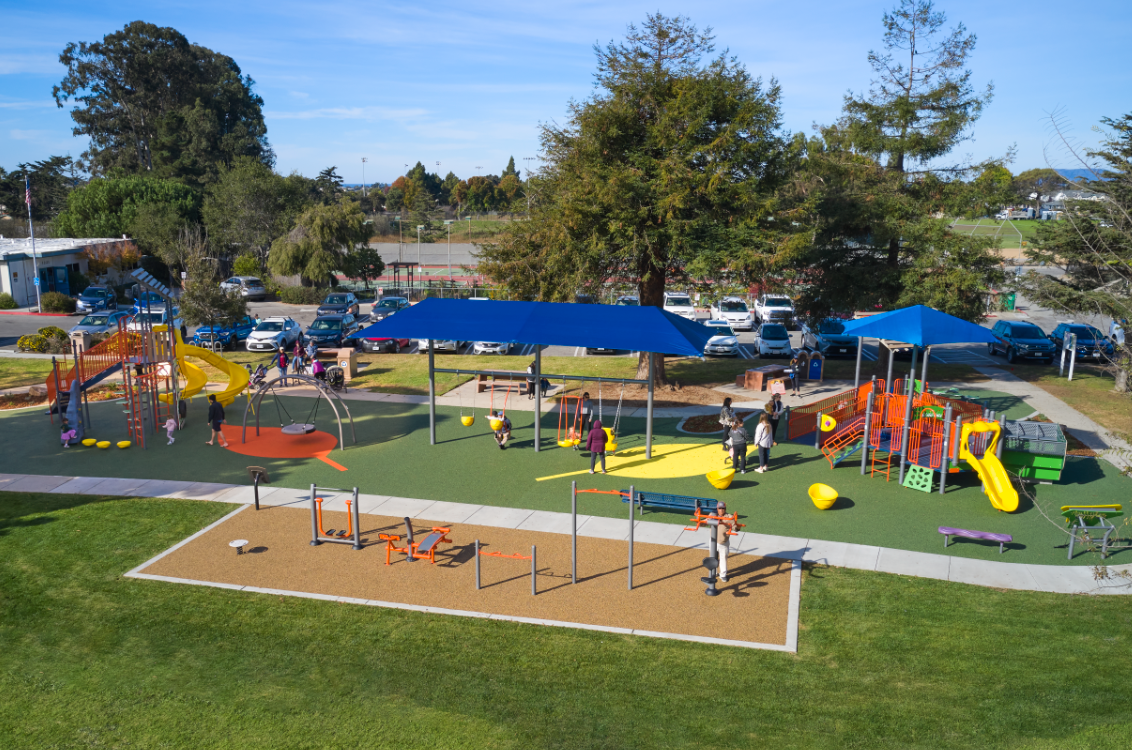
(524,376)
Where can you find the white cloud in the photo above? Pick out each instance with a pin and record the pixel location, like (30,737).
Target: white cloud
(349,113)
(28,135)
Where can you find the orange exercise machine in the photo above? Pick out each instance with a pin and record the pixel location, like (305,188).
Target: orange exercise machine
(533,557)
(350,535)
(422,550)
(711,562)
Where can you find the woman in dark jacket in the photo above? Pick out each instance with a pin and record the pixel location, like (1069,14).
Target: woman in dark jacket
(215,420)
(595,444)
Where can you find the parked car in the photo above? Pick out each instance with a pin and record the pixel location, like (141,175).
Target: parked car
(599,350)
(734,312)
(440,346)
(1021,340)
(339,303)
(96,298)
(679,303)
(393,346)
(331,330)
(828,337)
(150,300)
(724,343)
(773,340)
(386,306)
(249,287)
(227,333)
(100,322)
(1091,343)
(491,347)
(152,318)
(775,308)
(273,333)
(629,300)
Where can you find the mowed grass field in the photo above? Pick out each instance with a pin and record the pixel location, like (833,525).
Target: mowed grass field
(1011,234)
(92,659)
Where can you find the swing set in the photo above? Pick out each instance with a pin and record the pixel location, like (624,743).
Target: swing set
(287,423)
(469,419)
(570,431)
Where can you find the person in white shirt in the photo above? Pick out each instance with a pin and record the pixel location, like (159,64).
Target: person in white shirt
(763,441)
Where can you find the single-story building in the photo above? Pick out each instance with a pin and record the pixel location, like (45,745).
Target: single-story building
(57,259)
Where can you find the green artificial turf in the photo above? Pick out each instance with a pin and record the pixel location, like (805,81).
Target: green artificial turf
(91,659)
(393,457)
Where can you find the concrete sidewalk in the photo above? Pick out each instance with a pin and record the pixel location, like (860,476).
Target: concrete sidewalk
(1019,576)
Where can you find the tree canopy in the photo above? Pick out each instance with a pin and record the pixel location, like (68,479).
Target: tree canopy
(316,247)
(109,207)
(250,205)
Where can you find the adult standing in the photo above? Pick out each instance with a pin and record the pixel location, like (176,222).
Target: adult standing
(216,420)
(297,359)
(739,440)
(280,361)
(587,415)
(775,409)
(530,381)
(763,441)
(795,374)
(722,540)
(184,332)
(726,417)
(595,444)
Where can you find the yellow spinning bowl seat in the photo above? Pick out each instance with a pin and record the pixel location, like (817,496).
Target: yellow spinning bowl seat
(823,496)
(721,478)
(568,443)
(467,421)
(89,442)
(124,443)
(103,444)
(495,423)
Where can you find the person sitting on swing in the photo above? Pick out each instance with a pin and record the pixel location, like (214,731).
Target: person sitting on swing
(503,434)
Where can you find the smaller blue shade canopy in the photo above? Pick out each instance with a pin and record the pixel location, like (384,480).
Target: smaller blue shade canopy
(919,325)
(639,329)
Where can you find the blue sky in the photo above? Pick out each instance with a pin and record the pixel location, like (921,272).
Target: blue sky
(466,83)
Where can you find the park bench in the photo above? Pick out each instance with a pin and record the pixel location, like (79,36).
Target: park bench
(483,382)
(949,532)
(670,502)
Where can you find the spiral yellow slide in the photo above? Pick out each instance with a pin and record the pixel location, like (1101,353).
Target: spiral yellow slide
(996,482)
(237,374)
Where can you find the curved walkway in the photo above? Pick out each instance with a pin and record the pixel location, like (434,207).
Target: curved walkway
(1020,576)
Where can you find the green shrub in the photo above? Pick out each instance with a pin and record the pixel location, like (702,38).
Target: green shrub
(7,301)
(301,295)
(56,302)
(246,265)
(32,342)
(52,332)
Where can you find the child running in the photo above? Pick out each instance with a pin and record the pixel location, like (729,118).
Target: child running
(170,425)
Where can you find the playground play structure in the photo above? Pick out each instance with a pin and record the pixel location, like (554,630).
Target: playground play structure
(152,363)
(920,435)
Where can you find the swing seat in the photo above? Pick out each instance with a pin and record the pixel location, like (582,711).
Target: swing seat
(568,443)
(496,424)
(467,421)
(610,440)
(297,429)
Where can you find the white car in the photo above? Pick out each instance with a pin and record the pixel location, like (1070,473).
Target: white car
(724,343)
(773,340)
(679,303)
(440,346)
(273,333)
(152,319)
(491,347)
(734,312)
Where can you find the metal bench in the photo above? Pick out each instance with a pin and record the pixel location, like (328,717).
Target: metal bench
(949,532)
(684,503)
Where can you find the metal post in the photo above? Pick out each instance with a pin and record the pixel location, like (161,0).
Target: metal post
(924,370)
(314,521)
(907,419)
(477,565)
(538,397)
(945,459)
(1061,364)
(357,522)
(912,374)
(648,415)
(888,378)
(255,489)
(534,569)
(574,531)
(1001,436)
(431,396)
(868,428)
(1072,354)
(817,432)
(857,377)
(31,233)
(409,538)
(957,437)
(632,499)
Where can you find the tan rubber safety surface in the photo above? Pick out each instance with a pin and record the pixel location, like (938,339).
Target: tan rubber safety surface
(667,594)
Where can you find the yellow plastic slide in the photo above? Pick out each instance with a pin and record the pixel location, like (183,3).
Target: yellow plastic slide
(237,374)
(996,482)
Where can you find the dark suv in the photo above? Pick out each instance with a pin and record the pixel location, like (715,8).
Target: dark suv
(1019,340)
(340,303)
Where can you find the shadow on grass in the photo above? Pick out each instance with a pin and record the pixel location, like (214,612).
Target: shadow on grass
(15,507)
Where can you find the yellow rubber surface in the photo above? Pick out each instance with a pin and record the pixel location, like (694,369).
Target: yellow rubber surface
(668,460)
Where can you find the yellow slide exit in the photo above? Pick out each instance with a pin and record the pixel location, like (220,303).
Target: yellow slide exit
(996,482)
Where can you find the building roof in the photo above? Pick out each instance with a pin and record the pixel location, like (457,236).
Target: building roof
(639,329)
(18,248)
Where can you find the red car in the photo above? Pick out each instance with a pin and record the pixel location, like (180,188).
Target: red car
(385,345)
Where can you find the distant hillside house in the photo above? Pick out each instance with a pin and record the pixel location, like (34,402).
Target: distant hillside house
(58,261)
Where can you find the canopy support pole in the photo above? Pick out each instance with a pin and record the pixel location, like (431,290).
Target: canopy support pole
(924,368)
(911,391)
(648,413)
(888,377)
(432,395)
(538,397)
(857,377)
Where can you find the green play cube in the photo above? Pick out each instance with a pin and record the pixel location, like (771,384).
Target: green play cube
(1034,466)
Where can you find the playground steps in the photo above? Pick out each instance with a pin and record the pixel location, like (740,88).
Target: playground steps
(845,442)
(882,464)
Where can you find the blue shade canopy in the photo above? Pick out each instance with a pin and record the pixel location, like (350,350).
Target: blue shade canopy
(640,329)
(919,325)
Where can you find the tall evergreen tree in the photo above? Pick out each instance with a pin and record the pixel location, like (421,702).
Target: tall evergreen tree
(510,169)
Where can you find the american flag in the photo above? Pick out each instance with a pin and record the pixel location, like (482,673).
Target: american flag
(27,192)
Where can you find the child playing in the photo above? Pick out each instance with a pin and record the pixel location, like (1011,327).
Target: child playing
(318,370)
(67,434)
(170,425)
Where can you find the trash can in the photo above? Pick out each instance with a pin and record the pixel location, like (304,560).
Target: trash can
(816,364)
(347,359)
(1009,302)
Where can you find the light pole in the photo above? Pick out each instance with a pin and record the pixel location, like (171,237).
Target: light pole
(31,233)
(448,223)
(419,266)
(528,160)
(364,160)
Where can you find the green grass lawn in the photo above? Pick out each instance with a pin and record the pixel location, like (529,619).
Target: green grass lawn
(17,372)
(95,660)
(393,457)
(1090,393)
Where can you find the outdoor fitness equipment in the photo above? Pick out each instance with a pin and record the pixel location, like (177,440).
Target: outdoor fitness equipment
(422,550)
(569,434)
(533,558)
(497,422)
(629,497)
(711,562)
(351,536)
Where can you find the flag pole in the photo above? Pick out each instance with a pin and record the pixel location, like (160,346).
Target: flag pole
(31,233)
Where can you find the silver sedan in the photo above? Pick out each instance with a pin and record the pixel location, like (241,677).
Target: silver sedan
(100,322)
